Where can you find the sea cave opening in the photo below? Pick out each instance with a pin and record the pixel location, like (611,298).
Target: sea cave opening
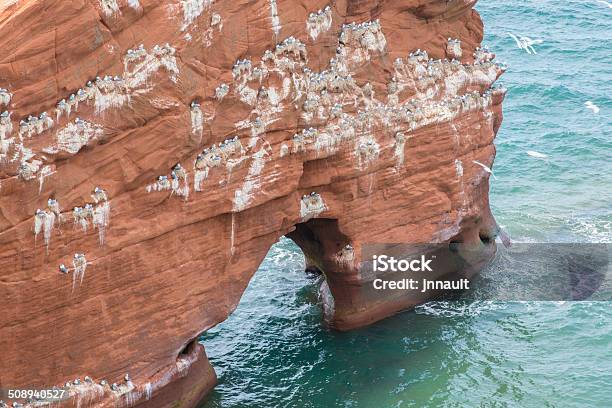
(281,320)
(281,306)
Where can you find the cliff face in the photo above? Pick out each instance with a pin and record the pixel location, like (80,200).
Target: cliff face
(153,151)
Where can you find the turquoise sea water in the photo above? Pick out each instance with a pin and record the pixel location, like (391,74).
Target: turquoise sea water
(274,352)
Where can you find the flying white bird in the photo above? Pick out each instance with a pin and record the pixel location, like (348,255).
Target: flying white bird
(590,105)
(505,239)
(537,155)
(518,42)
(526,43)
(605,3)
(486,168)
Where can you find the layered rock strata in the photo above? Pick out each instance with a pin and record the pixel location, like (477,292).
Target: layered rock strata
(151,152)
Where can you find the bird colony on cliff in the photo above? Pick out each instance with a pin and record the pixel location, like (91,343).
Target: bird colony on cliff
(338,112)
(338,115)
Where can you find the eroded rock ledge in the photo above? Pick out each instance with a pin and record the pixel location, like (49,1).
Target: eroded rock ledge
(153,151)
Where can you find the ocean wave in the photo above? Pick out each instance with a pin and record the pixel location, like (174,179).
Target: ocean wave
(459,308)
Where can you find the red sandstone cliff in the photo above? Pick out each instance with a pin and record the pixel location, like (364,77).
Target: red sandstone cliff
(261,103)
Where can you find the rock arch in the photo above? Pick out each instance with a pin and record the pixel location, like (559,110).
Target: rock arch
(369,114)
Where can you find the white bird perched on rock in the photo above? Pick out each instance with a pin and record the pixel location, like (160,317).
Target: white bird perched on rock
(590,105)
(486,168)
